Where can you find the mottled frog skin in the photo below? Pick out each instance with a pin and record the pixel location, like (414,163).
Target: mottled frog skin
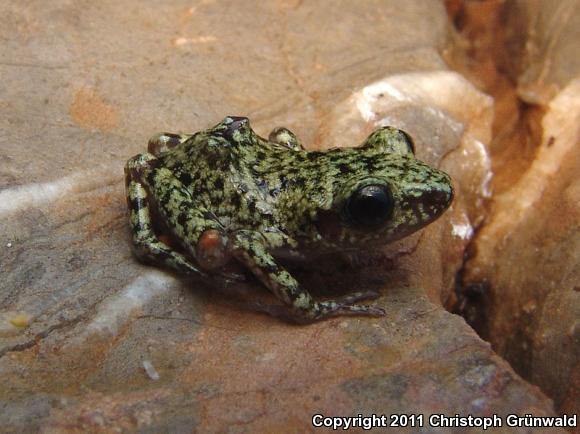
(228,194)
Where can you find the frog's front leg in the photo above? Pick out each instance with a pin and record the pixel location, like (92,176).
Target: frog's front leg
(249,247)
(283,136)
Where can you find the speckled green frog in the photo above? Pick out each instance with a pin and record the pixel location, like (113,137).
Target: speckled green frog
(228,194)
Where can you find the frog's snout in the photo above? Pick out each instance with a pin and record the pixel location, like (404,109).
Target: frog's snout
(438,200)
(424,205)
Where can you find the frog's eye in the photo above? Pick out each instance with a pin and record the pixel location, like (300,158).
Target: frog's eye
(391,139)
(409,142)
(370,205)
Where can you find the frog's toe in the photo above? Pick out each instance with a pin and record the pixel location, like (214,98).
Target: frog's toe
(358,296)
(359,309)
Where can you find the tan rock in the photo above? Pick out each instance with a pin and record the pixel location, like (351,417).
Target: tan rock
(528,255)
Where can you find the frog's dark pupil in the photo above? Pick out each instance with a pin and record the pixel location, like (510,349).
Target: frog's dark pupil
(371,205)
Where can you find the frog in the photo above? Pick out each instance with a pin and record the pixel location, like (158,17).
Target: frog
(227,195)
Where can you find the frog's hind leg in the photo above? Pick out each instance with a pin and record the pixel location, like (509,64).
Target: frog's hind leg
(146,244)
(163,142)
(283,136)
(249,248)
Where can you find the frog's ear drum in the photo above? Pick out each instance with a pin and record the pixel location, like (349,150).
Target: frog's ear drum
(391,140)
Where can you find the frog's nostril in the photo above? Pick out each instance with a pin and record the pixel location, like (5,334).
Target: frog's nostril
(439,199)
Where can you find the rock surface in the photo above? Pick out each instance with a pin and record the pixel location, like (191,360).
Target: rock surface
(92,341)
(524,277)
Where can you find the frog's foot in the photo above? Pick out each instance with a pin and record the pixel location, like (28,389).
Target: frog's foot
(330,308)
(283,136)
(333,308)
(163,142)
(345,305)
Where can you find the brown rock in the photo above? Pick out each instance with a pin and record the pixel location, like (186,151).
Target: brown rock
(528,257)
(542,46)
(523,279)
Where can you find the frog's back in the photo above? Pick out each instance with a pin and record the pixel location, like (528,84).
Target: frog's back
(238,179)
